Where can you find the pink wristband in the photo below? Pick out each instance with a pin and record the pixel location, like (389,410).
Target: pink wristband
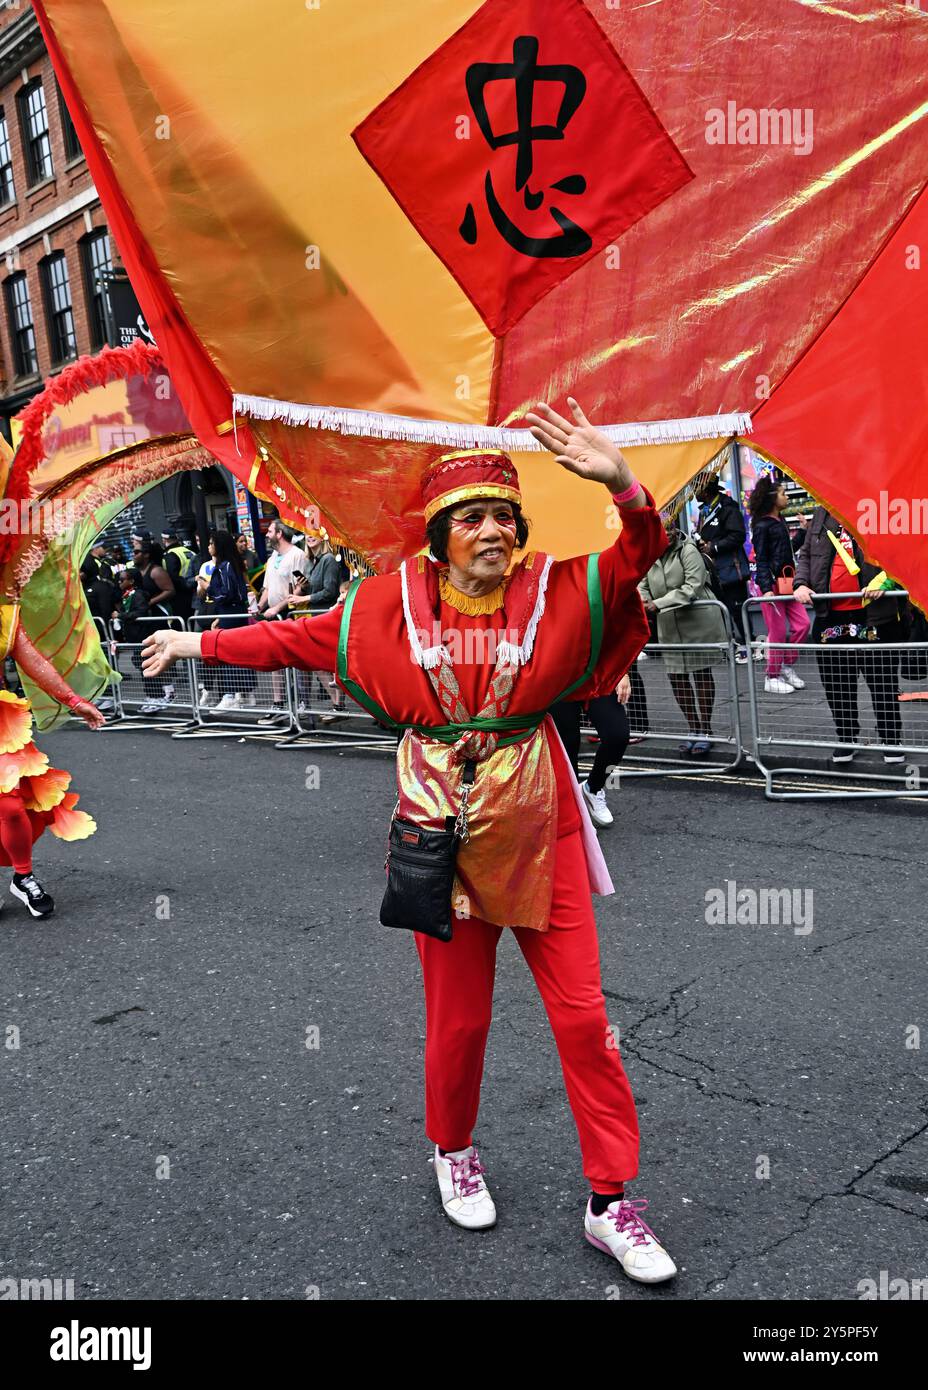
(626,496)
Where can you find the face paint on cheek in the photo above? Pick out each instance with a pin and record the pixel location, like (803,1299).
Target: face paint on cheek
(462,536)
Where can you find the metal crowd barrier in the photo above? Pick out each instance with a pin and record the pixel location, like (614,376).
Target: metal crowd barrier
(846,720)
(108,703)
(794,735)
(657,722)
(169,697)
(290,705)
(236,699)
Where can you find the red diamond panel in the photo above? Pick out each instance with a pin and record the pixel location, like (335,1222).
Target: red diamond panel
(522,147)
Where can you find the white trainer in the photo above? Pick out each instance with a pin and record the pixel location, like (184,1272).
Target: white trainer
(775,685)
(596,801)
(789,674)
(464,1194)
(157,706)
(621,1232)
(230,702)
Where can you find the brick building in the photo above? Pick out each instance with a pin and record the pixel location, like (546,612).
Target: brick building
(55,247)
(54,241)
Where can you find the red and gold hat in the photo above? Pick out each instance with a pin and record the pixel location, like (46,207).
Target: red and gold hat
(469,473)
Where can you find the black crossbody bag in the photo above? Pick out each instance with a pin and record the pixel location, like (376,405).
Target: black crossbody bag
(420,867)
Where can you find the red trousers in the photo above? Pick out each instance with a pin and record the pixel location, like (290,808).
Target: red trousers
(458,978)
(16,832)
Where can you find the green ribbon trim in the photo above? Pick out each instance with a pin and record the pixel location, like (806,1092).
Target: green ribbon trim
(594,595)
(450,733)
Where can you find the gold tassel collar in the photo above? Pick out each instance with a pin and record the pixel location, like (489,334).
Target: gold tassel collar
(466,603)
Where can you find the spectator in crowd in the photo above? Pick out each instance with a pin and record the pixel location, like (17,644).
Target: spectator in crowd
(674,583)
(609,718)
(787,621)
(180,563)
(317,592)
(132,605)
(201,603)
(228,593)
(209,693)
(202,549)
(322,574)
(249,556)
(99,555)
(865,617)
(721,535)
(98,585)
(285,562)
(156,585)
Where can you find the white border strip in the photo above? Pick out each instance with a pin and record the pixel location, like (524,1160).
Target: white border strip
(372,425)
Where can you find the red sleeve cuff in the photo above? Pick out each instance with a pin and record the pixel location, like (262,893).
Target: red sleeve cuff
(208,647)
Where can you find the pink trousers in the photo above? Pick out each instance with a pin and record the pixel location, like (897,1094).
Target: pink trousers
(786,622)
(458,977)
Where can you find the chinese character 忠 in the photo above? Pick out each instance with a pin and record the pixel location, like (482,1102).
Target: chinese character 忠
(524,71)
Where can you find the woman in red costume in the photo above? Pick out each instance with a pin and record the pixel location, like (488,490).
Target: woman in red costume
(33,796)
(466,655)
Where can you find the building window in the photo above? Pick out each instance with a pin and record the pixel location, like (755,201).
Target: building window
(7,191)
(97,261)
(33,116)
(72,146)
(22,328)
(58,308)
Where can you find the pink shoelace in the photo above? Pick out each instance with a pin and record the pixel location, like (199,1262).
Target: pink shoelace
(629,1222)
(465,1174)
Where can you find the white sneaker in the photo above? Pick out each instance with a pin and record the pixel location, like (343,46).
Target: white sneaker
(156,706)
(230,702)
(248,700)
(789,674)
(207,699)
(464,1195)
(775,685)
(596,801)
(621,1232)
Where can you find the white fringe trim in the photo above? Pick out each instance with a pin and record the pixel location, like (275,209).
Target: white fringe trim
(374,425)
(518,656)
(426,657)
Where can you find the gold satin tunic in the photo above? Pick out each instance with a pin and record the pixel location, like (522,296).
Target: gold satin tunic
(505,870)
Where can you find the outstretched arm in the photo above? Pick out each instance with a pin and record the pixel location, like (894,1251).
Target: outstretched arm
(34,665)
(309,644)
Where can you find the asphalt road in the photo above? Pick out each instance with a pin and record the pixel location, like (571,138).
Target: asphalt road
(225,906)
